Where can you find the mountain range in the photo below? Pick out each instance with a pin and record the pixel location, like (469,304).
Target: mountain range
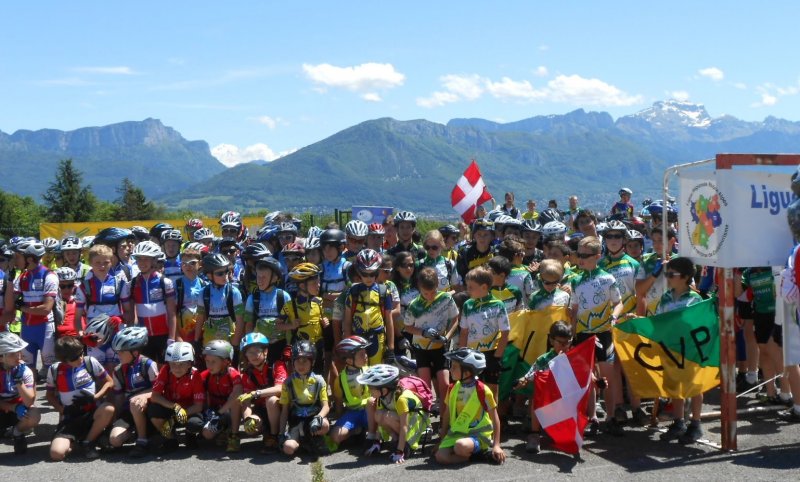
(408,164)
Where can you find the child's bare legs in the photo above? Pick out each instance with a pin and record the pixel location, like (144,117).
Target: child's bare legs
(458,453)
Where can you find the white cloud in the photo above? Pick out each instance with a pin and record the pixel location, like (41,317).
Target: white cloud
(231,155)
(469,87)
(574,89)
(712,73)
(365,78)
(437,99)
(512,89)
(681,95)
(541,71)
(767,99)
(121,70)
(268,121)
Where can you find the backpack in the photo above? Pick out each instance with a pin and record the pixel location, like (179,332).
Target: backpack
(419,388)
(382,293)
(87,364)
(58,306)
(160,283)
(228,300)
(180,290)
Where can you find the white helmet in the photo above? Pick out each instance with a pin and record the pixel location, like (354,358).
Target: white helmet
(66,274)
(130,338)
(51,244)
(379,376)
(179,351)
(616,226)
(203,233)
(269,218)
(147,249)
(100,325)
(86,242)
(11,343)
(196,246)
(554,229)
(635,235)
(502,220)
(356,228)
(70,243)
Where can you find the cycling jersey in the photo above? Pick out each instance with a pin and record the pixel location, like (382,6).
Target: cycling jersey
(669,302)
(9,393)
(624,269)
(542,299)
(264,377)
(485,318)
(649,263)
(369,307)
(594,294)
(187,306)
(97,297)
(69,381)
(304,394)
(435,314)
(445,271)
(625,209)
(179,390)
(407,293)
(219,325)
(135,377)
(469,257)
(334,276)
(35,285)
(150,296)
(308,311)
(763,285)
(213,390)
(264,321)
(521,278)
(413,248)
(172,268)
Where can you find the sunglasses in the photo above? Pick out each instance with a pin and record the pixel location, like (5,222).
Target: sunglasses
(432,248)
(221,273)
(292,257)
(585,255)
(387,270)
(286,236)
(193,262)
(407,266)
(672,274)
(550,283)
(614,236)
(367,275)
(229,252)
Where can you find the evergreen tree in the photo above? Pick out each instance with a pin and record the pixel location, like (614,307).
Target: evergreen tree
(132,203)
(19,216)
(67,200)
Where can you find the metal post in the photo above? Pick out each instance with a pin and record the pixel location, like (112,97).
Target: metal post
(727,355)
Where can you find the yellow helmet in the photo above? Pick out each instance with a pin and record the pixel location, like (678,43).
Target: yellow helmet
(304,271)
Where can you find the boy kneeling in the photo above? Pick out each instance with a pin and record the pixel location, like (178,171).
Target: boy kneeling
(17,392)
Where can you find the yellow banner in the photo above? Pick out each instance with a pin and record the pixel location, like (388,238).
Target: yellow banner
(529,330)
(61,230)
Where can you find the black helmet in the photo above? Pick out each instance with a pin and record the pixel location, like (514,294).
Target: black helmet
(270,263)
(159,228)
(449,230)
(304,349)
(112,236)
(213,262)
(549,215)
(140,232)
(255,251)
(332,236)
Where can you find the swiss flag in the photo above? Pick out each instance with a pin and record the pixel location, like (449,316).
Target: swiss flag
(561,395)
(469,192)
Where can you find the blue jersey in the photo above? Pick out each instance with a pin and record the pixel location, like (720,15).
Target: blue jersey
(172,268)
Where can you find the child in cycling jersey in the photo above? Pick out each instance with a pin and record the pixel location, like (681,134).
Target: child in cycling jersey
(551,273)
(221,314)
(334,275)
(356,232)
(262,384)
(398,413)
(188,294)
(217,389)
(76,387)
(470,423)
(432,320)
(172,400)
(303,316)
(350,395)
(304,404)
(171,240)
(133,383)
(264,305)
(17,392)
(433,244)
(509,294)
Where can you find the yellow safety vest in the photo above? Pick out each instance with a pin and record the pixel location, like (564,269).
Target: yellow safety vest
(350,401)
(460,423)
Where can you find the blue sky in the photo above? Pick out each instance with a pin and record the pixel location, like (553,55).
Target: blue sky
(257,79)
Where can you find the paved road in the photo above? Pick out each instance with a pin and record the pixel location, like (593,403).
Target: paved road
(768,450)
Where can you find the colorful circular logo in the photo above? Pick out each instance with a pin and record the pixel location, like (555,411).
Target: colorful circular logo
(707,228)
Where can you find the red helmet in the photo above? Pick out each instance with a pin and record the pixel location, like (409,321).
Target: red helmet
(294,248)
(350,345)
(194,223)
(368,261)
(376,228)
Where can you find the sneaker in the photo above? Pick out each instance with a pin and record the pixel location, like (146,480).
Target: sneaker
(139,450)
(674,431)
(614,428)
(89,450)
(620,415)
(593,427)
(599,411)
(234,445)
(742,385)
(20,444)
(532,447)
(789,415)
(641,417)
(692,434)
(270,444)
(770,400)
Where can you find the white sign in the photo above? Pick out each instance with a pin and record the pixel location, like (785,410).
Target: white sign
(735,217)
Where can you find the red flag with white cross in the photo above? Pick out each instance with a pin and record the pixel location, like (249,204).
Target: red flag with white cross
(469,192)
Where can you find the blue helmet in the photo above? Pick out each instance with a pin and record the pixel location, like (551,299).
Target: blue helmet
(251,339)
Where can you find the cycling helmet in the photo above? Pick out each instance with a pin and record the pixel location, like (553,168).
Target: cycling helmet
(67,244)
(220,348)
(214,262)
(482,225)
(601,228)
(113,236)
(11,343)
(656,209)
(356,229)
(501,220)
(513,223)
(266,233)
(203,234)
(379,376)
(368,261)
(531,226)
(147,249)
(304,349)
(549,215)
(287,227)
(159,228)
(86,242)
(226,243)
(468,357)
(304,271)
(314,232)
(350,345)
(66,274)
(616,226)
(255,251)
(554,229)
(270,263)
(30,248)
(625,190)
(636,223)
(140,232)
(634,235)
(311,243)
(130,338)
(449,230)
(51,244)
(230,219)
(269,218)
(196,247)
(332,236)
(405,216)
(180,351)
(194,223)
(100,326)
(252,339)
(171,235)
(494,214)
(377,229)
(617,217)
(294,248)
